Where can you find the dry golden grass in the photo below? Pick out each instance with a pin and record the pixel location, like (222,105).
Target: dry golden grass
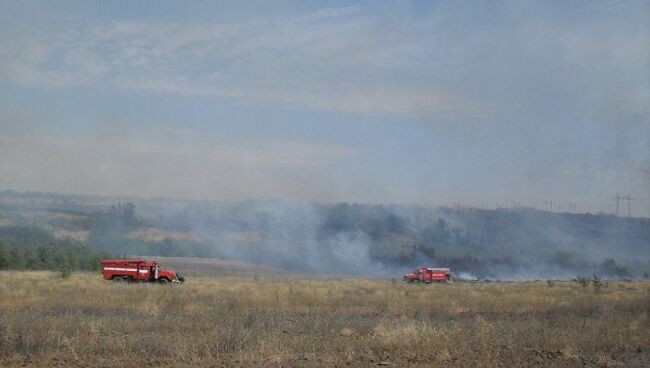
(229,321)
(214,267)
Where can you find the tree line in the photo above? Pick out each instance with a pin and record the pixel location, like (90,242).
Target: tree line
(484,242)
(32,248)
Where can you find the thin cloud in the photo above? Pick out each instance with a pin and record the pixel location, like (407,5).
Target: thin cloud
(163,163)
(257,61)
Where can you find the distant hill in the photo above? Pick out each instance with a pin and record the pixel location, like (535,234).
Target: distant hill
(356,239)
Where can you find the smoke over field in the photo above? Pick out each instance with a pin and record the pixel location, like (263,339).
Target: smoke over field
(384,240)
(342,239)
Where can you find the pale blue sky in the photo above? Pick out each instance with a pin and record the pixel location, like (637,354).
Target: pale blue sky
(435,102)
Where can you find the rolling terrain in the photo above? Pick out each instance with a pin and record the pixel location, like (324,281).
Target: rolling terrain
(337,239)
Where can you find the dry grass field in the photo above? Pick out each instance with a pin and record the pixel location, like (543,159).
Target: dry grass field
(268,322)
(213,267)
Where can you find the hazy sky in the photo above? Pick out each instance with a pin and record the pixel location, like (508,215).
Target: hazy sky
(433,102)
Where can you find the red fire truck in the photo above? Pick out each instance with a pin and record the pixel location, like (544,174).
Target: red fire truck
(428,275)
(138,270)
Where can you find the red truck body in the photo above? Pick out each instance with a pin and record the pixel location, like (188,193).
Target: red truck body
(428,275)
(135,270)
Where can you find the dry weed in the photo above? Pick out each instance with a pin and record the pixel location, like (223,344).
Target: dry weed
(83,320)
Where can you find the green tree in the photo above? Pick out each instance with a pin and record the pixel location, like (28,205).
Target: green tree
(429,251)
(65,270)
(16,259)
(4,256)
(438,233)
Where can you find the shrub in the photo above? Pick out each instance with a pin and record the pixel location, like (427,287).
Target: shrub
(597,284)
(582,281)
(65,270)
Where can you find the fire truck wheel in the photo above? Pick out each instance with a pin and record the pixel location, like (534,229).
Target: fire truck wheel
(163,281)
(118,279)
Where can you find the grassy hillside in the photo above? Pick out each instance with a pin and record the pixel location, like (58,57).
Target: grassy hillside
(341,239)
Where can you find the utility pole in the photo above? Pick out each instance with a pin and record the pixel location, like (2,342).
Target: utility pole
(618,198)
(629,199)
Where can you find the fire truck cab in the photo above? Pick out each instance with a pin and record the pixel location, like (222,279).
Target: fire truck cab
(138,270)
(428,275)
